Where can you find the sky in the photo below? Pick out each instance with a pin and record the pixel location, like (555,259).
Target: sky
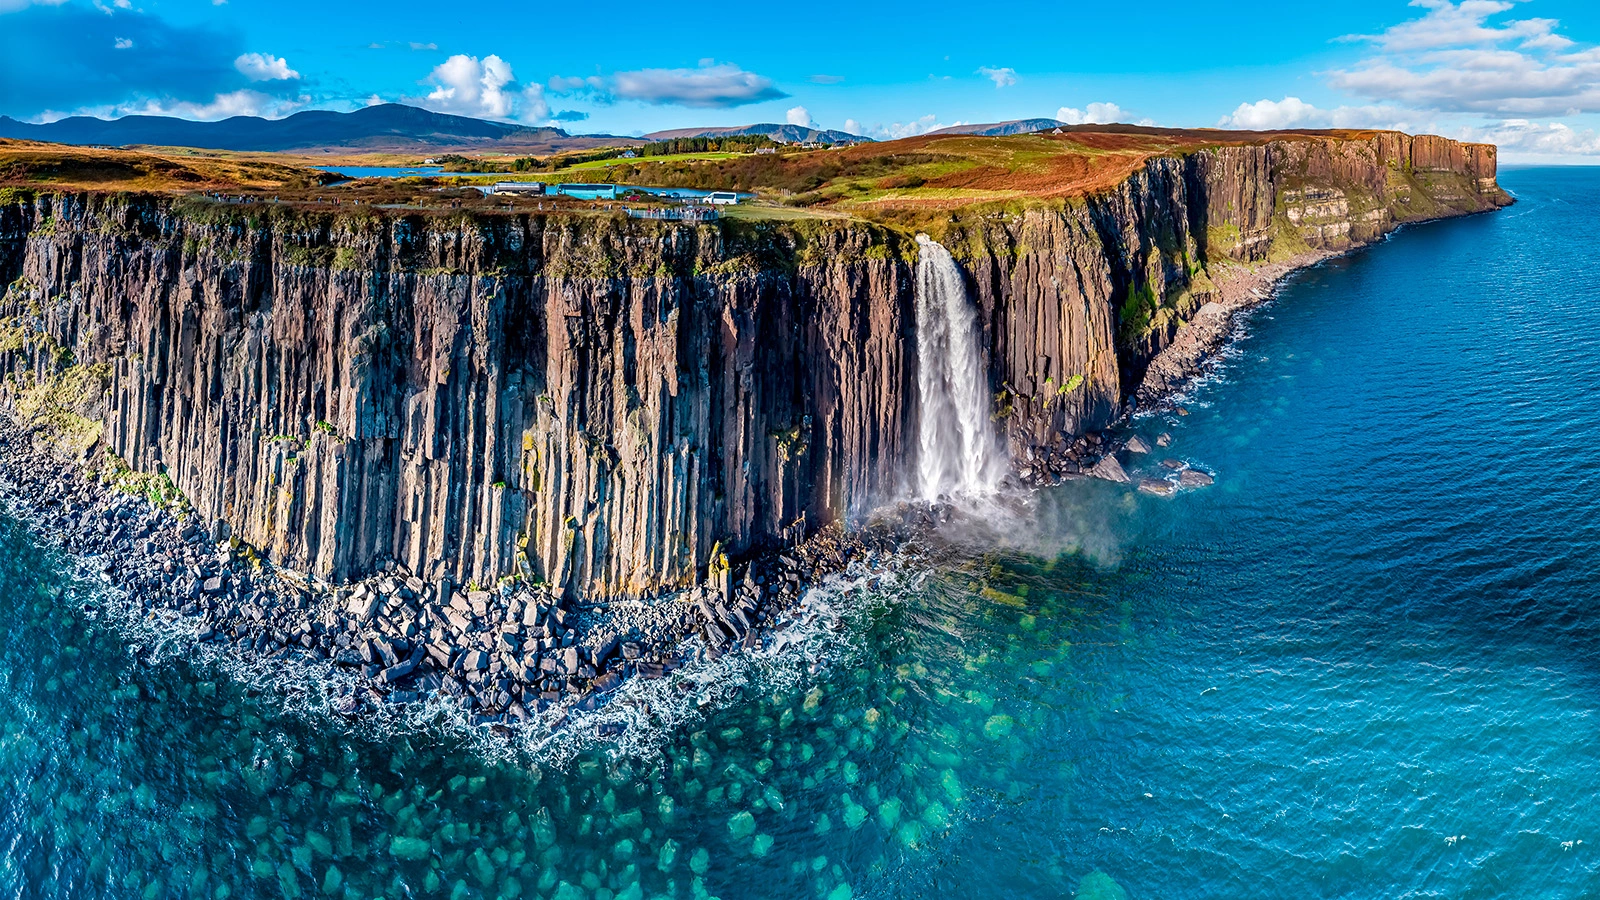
(1524,75)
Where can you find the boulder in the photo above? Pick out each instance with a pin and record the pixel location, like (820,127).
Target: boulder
(1157,486)
(364,605)
(398,671)
(1109,469)
(1194,478)
(1137,444)
(1164,440)
(1173,464)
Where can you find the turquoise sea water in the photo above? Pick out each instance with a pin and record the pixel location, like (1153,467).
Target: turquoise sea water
(1365,663)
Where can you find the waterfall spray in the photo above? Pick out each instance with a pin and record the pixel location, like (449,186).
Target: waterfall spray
(958,453)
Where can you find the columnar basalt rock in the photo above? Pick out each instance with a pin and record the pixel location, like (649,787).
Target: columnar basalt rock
(607,404)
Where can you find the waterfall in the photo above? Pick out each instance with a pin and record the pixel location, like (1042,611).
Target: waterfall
(958,453)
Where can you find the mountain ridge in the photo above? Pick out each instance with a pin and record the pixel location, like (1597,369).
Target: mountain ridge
(384,126)
(788,134)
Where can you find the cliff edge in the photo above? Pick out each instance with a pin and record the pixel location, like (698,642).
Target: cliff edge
(610,406)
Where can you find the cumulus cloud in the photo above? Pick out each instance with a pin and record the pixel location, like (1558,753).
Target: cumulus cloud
(711,86)
(123,44)
(265,67)
(483,88)
(1536,141)
(222,106)
(1292,112)
(897,130)
(1456,58)
(799,115)
(1094,114)
(1002,77)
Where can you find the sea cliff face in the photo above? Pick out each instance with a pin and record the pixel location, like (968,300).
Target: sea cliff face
(608,405)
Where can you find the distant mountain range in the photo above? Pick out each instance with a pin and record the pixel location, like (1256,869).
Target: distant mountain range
(394,127)
(389,126)
(998,129)
(787,134)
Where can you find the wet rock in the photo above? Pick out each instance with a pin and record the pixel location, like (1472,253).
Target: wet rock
(1159,487)
(1194,478)
(1164,440)
(1109,469)
(1136,444)
(399,670)
(1173,464)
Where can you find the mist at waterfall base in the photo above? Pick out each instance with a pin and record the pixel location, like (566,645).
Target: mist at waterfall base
(1365,663)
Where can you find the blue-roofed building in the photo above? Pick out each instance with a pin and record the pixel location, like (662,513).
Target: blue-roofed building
(587,191)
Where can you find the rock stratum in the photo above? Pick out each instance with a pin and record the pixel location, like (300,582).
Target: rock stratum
(612,407)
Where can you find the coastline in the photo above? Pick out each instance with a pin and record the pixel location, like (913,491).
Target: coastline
(514,655)
(519,653)
(1241,289)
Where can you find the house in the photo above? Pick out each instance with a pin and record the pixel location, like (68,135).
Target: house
(525,188)
(629,154)
(765,150)
(722,198)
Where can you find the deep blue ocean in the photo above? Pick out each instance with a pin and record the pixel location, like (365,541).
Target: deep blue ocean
(1366,663)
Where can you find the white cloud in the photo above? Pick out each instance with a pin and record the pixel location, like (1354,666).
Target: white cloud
(14,5)
(799,115)
(484,88)
(1292,112)
(1455,59)
(1002,77)
(1448,24)
(711,86)
(1094,114)
(898,130)
(265,67)
(1526,141)
(416,45)
(123,43)
(222,106)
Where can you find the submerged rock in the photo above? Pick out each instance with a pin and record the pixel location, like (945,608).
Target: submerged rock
(1158,486)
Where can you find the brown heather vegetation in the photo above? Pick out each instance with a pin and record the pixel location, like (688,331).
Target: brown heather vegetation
(910,183)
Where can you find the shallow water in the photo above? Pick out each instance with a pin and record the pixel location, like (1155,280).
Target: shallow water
(1362,664)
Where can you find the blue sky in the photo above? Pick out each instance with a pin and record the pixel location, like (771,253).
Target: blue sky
(1525,74)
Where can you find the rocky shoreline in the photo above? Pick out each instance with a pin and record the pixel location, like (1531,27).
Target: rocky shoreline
(518,651)
(1239,290)
(506,655)
(1190,354)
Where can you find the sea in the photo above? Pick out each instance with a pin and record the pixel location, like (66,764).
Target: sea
(1364,663)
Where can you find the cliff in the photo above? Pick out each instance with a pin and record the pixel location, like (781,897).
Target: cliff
(606,404)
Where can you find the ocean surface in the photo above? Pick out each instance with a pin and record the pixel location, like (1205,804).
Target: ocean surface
(1366,663)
